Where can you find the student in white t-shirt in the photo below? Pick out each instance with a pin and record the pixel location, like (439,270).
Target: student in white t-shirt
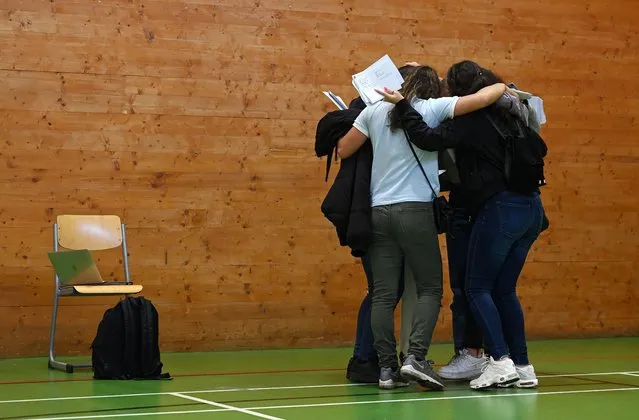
(403,221)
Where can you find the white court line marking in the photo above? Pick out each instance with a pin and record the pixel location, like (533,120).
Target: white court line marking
(228,407)
(565,375)
(282,407)
(631,374)
(274,388)
(112,416)
(203,391)
(459,397)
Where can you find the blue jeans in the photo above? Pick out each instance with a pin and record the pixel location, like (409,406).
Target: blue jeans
(501,238)
(364,348)
(466,332)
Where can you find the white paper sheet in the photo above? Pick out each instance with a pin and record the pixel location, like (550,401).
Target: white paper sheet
(382,73)
(339,102)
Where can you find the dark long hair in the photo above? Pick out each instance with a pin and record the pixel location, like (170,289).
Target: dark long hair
(467,77)
(491,77)
(422,82)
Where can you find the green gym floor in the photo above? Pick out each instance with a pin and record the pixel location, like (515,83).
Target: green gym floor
(578,379)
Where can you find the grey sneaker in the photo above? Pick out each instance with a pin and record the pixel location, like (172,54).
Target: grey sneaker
(463,366)
(389,379)
(422,372)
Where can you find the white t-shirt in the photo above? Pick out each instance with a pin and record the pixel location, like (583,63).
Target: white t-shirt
(396,177)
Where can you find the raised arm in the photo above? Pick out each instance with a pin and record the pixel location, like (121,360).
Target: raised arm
(484,97)
(419,133)
(445,136)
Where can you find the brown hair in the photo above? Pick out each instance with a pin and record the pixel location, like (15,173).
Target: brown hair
(423,82)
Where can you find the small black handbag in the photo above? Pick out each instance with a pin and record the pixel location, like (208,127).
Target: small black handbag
(441,208)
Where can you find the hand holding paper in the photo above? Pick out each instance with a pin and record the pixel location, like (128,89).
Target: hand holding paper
(392,96)
(379,75)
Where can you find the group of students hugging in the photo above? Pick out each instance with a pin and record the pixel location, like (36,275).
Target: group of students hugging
(382,205)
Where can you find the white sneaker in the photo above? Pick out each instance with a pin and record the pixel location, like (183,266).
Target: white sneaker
(527,378)
(496,373)
(463,366)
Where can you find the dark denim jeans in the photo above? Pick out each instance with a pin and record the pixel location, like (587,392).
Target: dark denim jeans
(501,238)
(466,332)
(364,343)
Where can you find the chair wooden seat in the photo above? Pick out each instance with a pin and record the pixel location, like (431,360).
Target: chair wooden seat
(93,233)
(102,290)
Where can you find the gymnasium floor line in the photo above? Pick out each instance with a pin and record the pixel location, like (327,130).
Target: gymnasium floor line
(282,388)
(112,410)
(317,390)
(254,410)
(302,370)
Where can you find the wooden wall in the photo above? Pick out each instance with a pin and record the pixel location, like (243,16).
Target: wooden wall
(195,121)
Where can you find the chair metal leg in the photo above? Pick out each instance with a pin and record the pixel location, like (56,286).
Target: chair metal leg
(53,363)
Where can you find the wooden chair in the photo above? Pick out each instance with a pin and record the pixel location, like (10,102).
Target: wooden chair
(94,233)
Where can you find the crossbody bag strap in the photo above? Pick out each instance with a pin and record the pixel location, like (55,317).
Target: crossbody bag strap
(419,162)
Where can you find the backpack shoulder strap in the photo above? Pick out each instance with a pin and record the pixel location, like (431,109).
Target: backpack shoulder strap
(130,339)
(148,332)
(149,345)
(492,122)
(508,155)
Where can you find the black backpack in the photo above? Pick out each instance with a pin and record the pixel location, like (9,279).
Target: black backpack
(126,344)
(524,159)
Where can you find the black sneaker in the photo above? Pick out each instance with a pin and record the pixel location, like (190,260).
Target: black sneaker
(421,372)
(362,371)
(390,378)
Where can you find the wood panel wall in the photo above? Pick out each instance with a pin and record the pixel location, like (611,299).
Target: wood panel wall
(195,120)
